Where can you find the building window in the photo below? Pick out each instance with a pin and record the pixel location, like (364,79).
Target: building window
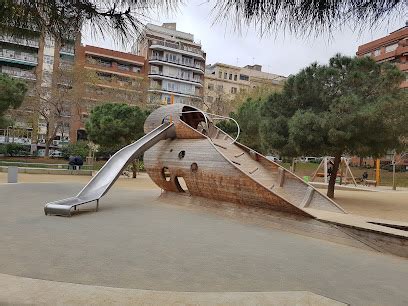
(235,77)
(136,69)
(391,48)
(210,99)
(225,75)
(123,67)
(48,59)
(377,52)
(220,88)
(234,90)
(220,74)
(243,77)
(210,86)
(230,76)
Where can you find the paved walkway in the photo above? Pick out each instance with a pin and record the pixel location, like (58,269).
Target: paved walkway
(18,290)
(137,241)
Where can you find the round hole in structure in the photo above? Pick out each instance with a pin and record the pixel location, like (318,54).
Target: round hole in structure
(194,167)
(180,184)
(171,150)
(182,154)
(166,174)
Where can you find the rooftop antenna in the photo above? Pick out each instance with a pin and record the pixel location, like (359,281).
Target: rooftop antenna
(253,61)
(237,61)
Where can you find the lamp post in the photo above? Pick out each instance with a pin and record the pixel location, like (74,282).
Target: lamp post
(394,187)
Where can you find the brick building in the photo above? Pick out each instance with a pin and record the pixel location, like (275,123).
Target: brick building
(106,76)
(391,48)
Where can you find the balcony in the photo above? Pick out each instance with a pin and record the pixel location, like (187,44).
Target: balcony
(28,42)
(189,80)
(19,58)
(181,48)
(68,49)
(176,92)
(18,73)
(195,67)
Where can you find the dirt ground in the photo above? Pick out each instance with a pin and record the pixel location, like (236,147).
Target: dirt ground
(392,205)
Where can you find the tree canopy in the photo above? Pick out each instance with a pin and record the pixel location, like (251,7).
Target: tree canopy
(12,94)
(113,126)
(346,107)
(123,19)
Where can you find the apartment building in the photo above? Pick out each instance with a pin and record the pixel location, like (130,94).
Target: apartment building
(223,82)
(34,57)
(175,65)
(106,76)
(391,48)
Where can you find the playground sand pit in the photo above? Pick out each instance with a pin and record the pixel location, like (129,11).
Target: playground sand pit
(392,205)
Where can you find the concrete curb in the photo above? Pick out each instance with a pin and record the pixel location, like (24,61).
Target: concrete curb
(20,290)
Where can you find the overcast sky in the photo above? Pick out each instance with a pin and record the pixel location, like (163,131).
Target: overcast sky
(278,53)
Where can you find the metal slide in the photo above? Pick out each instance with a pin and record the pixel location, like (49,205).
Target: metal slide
(99,185)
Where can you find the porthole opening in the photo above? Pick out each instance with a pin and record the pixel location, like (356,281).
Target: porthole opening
(181,154)
(166,174)
(194,167)
(180,184)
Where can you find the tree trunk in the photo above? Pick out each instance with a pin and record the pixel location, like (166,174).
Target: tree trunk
(333,176)
(134,168)
(47,147)
(47,140)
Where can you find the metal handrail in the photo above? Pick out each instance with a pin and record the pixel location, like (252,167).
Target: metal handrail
(228,118)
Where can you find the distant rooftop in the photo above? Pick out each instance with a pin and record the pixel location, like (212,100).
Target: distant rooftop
(170,29)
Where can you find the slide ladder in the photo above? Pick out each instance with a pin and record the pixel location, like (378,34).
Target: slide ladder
(99,185)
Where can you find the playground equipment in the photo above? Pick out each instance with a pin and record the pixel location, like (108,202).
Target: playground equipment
(345,175)
(183,143)
(99,185)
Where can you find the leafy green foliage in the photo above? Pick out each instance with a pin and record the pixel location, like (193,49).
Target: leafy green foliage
(14,149)
(113,126)
(247,117)
(79,148)
(345,107)
(12,94)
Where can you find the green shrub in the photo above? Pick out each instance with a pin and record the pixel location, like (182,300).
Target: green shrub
(14,149)
(79,148)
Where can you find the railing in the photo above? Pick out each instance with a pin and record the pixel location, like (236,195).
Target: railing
(178,47)
(13,139)
(66,64)
(123,67)
(178,62)
(20,73)
(20,41)
(41,165)
(68,49)
(193,94)
(179,77)
(23,56)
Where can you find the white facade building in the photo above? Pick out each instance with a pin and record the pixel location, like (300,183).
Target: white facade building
(175,64)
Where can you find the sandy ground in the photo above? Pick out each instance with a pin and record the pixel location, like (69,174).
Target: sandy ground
(385,204)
